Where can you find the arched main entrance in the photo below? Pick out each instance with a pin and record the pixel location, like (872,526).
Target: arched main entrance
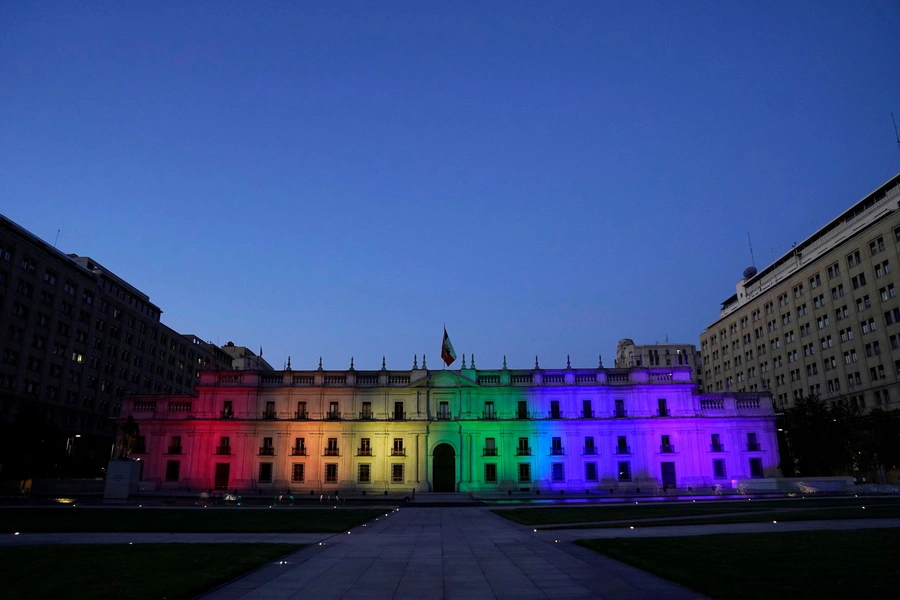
(444,469)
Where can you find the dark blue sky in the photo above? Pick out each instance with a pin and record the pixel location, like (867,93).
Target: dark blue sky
(340,179)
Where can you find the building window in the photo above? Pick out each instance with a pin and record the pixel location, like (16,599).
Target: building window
(620,409)
(524,472)
(556,446)
(752,442)
(586,411)
(876,246)
(331,472)
(557,472)
(624,471)
(490,473)
(173,469)
(398,448)
(490,446)
(622,445)
(298,473)
(523,449)
(489,411)
(265,472)
(444,411)
(662,407)
(719,468)
(590,471)
(665,445)
(332,448)
(365,447)
(364,473)
(299,448)
(589,447)
(522,409)
(397,473)
(224,447)
(756,469)
(268,448)
(554,409)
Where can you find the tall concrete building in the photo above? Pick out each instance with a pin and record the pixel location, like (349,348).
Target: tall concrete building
(823,319)
(465,430)
(75,338)
(629,354)
(244,359)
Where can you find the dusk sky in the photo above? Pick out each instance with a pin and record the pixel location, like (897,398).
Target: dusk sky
(341,179)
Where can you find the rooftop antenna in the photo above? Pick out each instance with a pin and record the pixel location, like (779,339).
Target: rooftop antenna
(57,231)
(896,135)
(750,243)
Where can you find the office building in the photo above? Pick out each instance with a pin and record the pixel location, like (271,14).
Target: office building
(628,354)
(822,320)
(75,338)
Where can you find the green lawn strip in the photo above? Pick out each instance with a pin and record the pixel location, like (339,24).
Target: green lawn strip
(134,572)
(656,510)
(789,565)
(825,514)
(190,520)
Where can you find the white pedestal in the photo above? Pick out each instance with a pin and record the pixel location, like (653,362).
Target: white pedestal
(121,480)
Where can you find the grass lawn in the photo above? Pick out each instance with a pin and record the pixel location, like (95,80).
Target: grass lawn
(134,572)
(661,510)
(802,564)
(183,520)
(847,512)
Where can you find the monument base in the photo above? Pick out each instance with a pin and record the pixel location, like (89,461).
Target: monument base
(122,478)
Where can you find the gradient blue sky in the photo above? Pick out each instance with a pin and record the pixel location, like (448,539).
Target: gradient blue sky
(339,179)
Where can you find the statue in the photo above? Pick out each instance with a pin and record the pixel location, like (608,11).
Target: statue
(130,431)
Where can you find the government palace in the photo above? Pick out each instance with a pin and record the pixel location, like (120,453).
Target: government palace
(466,430)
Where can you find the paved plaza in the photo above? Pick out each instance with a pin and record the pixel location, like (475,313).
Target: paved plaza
(450,552)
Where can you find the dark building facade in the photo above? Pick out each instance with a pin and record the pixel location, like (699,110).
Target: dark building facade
(74,340)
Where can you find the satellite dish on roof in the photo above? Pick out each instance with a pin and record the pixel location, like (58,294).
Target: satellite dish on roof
(749,272)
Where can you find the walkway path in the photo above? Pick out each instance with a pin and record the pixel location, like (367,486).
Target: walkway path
(467,553)
(426,553)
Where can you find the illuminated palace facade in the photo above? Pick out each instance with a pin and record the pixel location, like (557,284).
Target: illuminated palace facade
(464,430)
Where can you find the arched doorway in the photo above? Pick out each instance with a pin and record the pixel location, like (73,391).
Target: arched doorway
(444,469)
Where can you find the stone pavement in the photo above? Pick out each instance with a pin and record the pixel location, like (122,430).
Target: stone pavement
(425,553)
(445,553)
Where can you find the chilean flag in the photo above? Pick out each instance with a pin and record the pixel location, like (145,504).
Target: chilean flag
(447,353)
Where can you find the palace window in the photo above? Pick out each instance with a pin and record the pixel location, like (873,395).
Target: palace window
(173,469)
(719,468)
(557,472)
(490,473)
(524,471)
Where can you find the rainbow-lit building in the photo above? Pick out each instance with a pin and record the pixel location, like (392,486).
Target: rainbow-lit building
(465,430)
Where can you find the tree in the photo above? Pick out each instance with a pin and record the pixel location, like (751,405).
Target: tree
(820,437)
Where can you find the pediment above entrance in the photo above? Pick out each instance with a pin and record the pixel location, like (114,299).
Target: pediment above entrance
(444,379)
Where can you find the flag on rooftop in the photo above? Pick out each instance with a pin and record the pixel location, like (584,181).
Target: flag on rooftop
(447,352)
